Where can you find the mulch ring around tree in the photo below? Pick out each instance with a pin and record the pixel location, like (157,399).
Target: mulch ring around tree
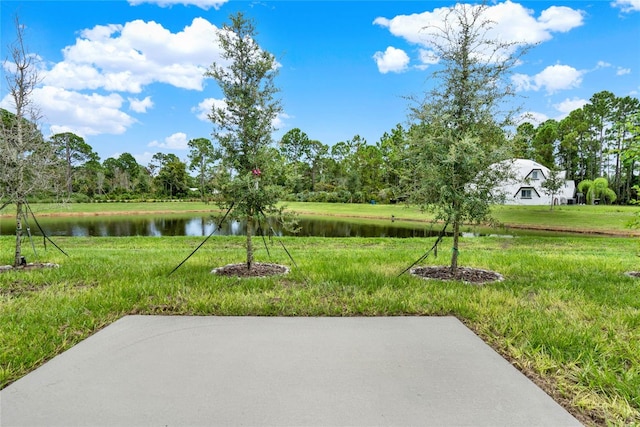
(27,267)
(257,270)
(474,276)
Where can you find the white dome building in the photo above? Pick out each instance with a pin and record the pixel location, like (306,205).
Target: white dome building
(525,187)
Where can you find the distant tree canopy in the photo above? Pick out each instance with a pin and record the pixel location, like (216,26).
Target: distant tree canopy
(73,152)
(354,170)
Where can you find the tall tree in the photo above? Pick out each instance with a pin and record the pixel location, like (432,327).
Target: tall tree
(201,158)
(523,146)
(74,152)
(573,132)
(121,172)
(317,154)
(545,141)
(27,162)
(368,165)
(350,178)
(459,131)
(87,178)
(599,113)
(295,147)
(631,155)
(393,148)
(172,179)
(243,127)
(620,139)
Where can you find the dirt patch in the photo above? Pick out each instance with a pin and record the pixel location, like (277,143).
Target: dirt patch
(635,274)
(19,288)
(27,267)
(257,270)
(474,276)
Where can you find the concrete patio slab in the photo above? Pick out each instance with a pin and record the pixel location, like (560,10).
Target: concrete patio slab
(277,371)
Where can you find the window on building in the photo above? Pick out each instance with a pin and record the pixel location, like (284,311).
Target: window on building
(534,175)
(525,193)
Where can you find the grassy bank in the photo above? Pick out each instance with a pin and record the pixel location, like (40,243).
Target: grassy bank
(587,219)
(565,313)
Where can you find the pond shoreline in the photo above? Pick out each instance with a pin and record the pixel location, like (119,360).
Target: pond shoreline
(531,227)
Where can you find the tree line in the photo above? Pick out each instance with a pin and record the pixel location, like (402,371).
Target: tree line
(599,140)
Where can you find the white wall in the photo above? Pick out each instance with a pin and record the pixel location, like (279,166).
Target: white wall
(521,168)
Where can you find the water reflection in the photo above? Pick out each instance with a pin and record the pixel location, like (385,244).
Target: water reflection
(180,225)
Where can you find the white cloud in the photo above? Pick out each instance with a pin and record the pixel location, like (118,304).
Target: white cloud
(428,57)
(523,82)
(391,60)
(558,77)
(144,158)
(203,4)
(622,71)
(554,78)
(140,105)
(82,114)
(279,121)
(177,141)
(125,58)
(560,19)
(563,108)
(203,109)
(627,5)
(568,105)
(512,23)
(74,76)
(602,64)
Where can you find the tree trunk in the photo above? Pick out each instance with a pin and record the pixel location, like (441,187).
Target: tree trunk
(68,161)
(19,215)
(617,185)
(454,252)
(202,169)
(629,187)
(249,242)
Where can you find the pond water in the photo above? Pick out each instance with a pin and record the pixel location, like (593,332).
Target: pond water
(198,225)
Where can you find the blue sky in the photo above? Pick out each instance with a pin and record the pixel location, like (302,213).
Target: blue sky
(128,75)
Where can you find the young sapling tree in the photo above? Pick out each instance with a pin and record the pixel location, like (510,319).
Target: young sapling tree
(553,183)
(28,164)
(243,125)
(457,132)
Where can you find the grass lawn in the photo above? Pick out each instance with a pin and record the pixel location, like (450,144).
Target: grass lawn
(565,314)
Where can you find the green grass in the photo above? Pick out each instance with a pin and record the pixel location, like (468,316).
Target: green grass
(580,218)
(112,208)
(594,219)
(599,219)
(565,313)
